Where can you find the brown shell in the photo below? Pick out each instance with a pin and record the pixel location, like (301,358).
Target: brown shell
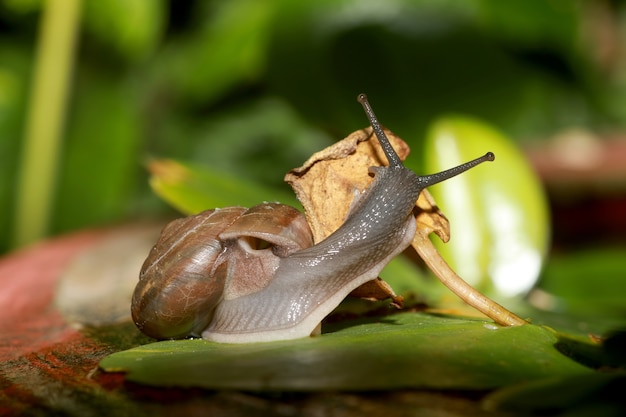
(200,259)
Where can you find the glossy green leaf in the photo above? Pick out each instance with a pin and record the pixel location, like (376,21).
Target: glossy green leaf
(192,188)
(498,212)
(402,350)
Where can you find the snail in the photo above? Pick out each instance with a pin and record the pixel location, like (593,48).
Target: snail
(238,275)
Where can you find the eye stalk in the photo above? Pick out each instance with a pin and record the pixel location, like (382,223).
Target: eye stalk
(392,156)
(394,159)
(429,180)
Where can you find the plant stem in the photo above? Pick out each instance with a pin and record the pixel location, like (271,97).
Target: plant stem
(45,117)
(462,289)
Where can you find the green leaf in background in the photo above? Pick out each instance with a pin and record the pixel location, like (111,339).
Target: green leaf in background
(402,350)
(133,28)
(22,6)
(14,75)
(418,48)
(498,212)
(99,171)
(260,140)
(587,282)
(597,395)
(229,49)
(553,26)
(192,189)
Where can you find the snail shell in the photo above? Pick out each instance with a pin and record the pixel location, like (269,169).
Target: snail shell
(195,261)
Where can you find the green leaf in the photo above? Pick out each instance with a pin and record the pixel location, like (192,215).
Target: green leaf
(99,170)
(229,50)
(133,27)
(595,395)
(404,276)
(192,189)
(533,22)
(498,212)
(260,140)
(587,282)
(402,350)
(14,74)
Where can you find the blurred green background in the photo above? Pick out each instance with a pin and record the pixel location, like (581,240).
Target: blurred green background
(253,87)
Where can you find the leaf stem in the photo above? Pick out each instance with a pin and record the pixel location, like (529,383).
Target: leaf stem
(462,289)
(45,117)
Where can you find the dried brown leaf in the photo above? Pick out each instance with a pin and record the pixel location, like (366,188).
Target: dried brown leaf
(328,182)
(378,289)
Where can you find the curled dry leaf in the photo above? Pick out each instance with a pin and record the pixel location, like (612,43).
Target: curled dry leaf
(327,185)
(329,181)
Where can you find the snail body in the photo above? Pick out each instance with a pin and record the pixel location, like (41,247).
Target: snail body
(222,287)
